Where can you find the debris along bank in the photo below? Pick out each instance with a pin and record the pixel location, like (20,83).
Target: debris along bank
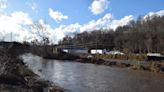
(16,77)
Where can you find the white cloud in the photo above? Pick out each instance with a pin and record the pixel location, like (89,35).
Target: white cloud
(3,4)
(64,30)
(21,18)
(98,24)
(106,22)
(122,22)
(58,33)
(99,6)
(14,23)
(56,15)
(158,13)
(18,23)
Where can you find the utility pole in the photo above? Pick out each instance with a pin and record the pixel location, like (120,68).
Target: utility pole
(11,37)
(96,40)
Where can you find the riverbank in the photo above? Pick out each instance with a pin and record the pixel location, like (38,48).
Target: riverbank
(135,62)
(131,61)
(132,57)
(16,77)
(151,66)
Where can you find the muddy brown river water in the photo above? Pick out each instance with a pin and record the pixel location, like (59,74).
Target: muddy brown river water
(79,77)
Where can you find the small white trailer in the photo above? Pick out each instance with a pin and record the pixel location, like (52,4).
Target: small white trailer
(98,51)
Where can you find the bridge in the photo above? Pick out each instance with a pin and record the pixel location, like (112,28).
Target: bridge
(86,46)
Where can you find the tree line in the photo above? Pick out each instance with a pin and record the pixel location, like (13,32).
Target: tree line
(143,35)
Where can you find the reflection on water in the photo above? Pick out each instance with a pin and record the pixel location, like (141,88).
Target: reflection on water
(79,77)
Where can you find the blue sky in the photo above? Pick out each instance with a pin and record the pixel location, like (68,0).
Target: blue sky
(122,8)
(68,16)
(78,11)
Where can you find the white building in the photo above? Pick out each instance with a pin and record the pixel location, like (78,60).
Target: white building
(98,51)
(115,52)
(155,54)
(76,51)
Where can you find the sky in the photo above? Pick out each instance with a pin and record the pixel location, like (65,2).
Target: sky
(66,17)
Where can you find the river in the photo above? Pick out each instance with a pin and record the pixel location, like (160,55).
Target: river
(80,77)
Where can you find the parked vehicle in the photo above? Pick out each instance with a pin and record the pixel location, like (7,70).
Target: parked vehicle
(155,57)
(115,53)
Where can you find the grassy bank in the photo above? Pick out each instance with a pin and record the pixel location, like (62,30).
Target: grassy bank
(134,57)
(123,62)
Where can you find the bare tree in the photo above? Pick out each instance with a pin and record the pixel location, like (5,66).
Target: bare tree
(41,32)
(140,36)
